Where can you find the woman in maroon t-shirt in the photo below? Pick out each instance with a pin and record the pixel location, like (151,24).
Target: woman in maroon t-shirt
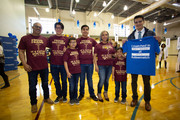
(103,65)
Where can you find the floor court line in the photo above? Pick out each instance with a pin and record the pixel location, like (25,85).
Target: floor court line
(137,106)
(13,78)
(42,104)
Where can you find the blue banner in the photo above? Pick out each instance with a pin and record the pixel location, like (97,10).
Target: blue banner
(10,52)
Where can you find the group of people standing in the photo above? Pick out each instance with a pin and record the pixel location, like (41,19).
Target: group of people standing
(73,58)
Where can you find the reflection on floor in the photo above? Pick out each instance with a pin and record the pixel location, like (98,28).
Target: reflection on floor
(165,99)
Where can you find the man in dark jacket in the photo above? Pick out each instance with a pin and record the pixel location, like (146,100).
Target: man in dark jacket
(139,33)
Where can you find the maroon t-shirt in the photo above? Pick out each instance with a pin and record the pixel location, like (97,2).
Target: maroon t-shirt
(57,44)
(85,46)
(71,56)
(104,53)
(120,69)
(35,51)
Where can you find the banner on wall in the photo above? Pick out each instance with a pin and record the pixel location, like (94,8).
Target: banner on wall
(10,53)
(178,43)
(116,38)
(167,42)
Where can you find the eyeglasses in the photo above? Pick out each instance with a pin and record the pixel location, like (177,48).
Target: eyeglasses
(58,27)
(138,22)
(37,26)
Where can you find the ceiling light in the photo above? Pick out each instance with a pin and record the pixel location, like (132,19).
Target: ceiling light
(104,4)
(112,16)
(35,9)
(77,1)
(47,9)
(73,12)
(176,4)
(156,0)
(95,14)
(154,22)
(125,7)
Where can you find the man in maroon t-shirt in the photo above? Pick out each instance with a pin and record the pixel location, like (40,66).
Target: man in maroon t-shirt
(85,45)
(58,44)
(34,45)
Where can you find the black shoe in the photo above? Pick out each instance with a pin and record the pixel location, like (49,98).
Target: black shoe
(5,86)
(57,100)
(94,98)
(76,101)
(64,100)
(80,97)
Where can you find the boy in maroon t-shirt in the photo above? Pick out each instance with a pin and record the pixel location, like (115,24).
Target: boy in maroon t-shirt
(58,44)
(73,69)
(34,45)
(119,75)
(85,45)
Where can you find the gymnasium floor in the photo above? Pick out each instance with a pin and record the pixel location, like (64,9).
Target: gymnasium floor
(15,103)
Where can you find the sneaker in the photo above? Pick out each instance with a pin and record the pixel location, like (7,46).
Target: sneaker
(57,100)
(116,99)
(64,100)
(49,101)
(34,108)
(94,98)
(123,101)
(80,97)
(76,101)
(71,102)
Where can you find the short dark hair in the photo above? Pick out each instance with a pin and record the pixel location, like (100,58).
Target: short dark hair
(72,38)
(163,44)
(59,23)
(84,26)
(139,16)
(120,48)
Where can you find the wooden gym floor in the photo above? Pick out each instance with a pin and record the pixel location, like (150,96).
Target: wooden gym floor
(15,102)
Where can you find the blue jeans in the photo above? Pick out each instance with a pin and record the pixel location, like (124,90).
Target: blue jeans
(55,71)
(123,87)
(32,77)
(73,86)
(86,71)
(104,75)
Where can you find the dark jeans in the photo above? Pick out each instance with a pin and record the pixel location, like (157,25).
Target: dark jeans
(73,86)
(32,77)
(123,87)
(2,73)
(147,87)
(104,75)
(86,71)
(55,71)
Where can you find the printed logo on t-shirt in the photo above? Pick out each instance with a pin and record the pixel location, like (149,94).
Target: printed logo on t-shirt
(86,50)
(58,43)
(76,61)
(108,48)
(37,52)
(120,64)
(140,51)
